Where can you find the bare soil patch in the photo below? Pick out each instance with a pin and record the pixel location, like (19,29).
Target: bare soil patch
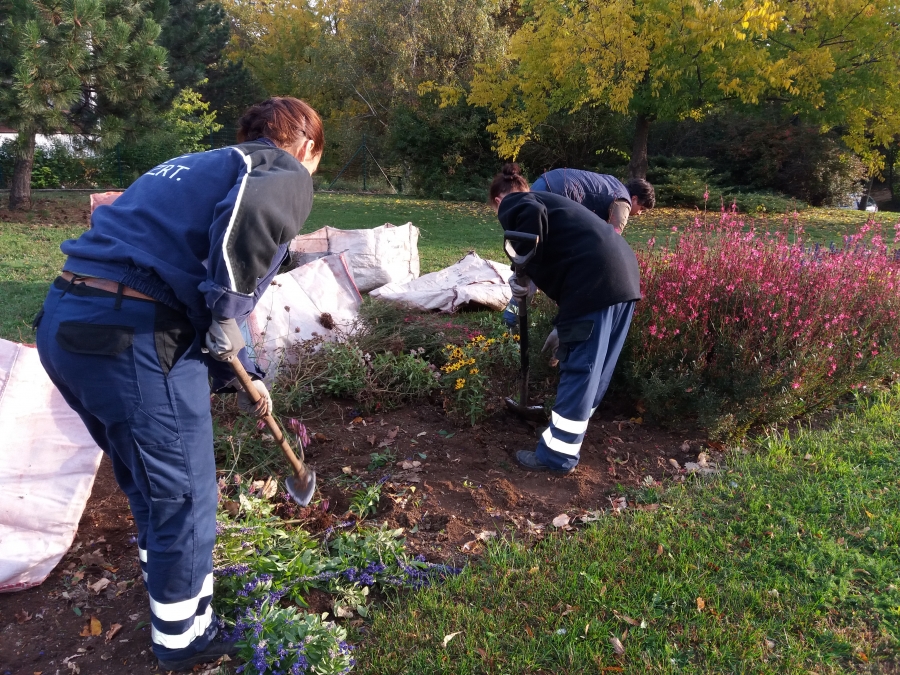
(74,209)
(447,485)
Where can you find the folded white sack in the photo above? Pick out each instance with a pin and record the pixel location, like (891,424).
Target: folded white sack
(472,280)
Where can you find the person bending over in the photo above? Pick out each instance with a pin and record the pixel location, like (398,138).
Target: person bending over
(603,194)
(170,268)
(592,274)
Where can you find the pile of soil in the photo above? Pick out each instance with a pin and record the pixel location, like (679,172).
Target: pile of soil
(449,487)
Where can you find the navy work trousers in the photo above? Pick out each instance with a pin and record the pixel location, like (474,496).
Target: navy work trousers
(132,370)
(589,347)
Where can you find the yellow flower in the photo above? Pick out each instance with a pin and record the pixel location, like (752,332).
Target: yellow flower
(473,371)
(460,383)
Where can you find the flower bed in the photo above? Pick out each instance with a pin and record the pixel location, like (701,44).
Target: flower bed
(739,328)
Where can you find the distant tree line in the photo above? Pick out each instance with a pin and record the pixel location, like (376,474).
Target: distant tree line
(801,99)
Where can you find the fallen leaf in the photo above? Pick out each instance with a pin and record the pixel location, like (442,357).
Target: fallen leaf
(659,549)
(449,637)
(701,604)
(347,470)
(470,546)
(392,433)
(626,619)
(134,617)
(78,576)
(113,631)
(770,644)
(862,657)
(703,459)
(269,488)
(647,507)
(529,631)
(637,420)
(95,558)
(674,463)
(96,628)
(23,616)
(357,420)
(232,507)
(99,585)
(619,504)
(484,535)
(343,612)
(807,457)
(422,433)
(685,447)
(617,645)
(321,438)
(640,407)
(870,515)
(561,520)
(371,440)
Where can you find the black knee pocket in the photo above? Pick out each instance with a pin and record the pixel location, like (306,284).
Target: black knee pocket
(571,335)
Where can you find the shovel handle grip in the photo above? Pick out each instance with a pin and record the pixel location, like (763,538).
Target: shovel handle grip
(247,385)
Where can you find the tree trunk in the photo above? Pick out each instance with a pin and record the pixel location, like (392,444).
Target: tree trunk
(637,168)
(20,190)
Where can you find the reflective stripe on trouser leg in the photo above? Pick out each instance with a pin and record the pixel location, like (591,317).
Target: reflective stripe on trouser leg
(157,429)
(584,377)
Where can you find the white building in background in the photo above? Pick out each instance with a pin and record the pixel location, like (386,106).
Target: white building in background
(41,141)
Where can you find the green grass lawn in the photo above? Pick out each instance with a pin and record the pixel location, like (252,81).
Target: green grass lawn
(789,562)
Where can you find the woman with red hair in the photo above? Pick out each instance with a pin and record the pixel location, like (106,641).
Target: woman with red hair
(146,309)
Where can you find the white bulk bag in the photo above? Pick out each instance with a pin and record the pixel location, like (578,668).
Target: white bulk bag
(47,466)
(471,280)
(292,309)
(378,256)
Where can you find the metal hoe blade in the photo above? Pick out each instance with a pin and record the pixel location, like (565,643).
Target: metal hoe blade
(301,490)
(302,484)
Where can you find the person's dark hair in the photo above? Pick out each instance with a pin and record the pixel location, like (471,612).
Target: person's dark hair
(643,191)
(282,119)
(510,179)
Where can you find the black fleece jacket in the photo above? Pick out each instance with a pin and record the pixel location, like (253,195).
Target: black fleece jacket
(581,263)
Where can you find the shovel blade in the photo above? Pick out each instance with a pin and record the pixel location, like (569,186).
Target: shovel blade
(529,411)
(302,487)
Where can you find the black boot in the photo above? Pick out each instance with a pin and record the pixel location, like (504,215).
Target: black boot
(214,652)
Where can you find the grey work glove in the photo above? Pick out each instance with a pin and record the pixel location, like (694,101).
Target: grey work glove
(262,407)
(552,343)
(519,292)
(224,339)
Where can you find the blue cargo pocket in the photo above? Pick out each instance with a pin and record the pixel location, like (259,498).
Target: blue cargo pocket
(572,337)
(100,369)
(166,470)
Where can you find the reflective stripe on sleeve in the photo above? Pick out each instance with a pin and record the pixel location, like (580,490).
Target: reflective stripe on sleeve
(142,554)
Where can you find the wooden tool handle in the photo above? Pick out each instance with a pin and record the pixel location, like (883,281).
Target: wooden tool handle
(255,396)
